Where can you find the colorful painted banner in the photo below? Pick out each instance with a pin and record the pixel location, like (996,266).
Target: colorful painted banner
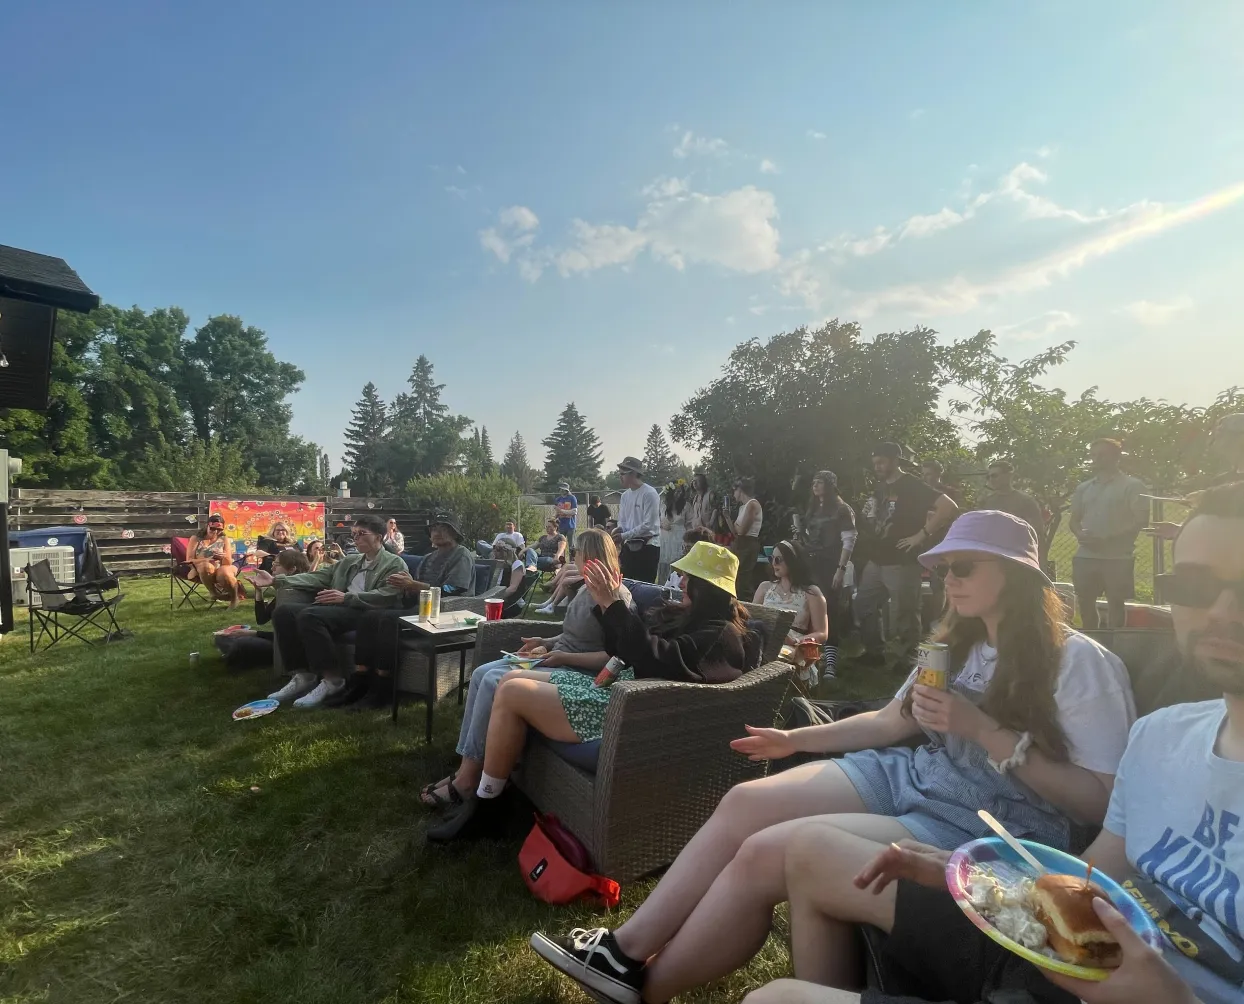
(245,521)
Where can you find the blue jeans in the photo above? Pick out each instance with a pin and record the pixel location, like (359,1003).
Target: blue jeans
(478,708)
(546,564)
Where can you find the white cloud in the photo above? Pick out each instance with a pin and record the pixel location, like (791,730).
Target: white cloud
(916,113)
(692,145)
(1045,152)
(768,167)
(460,169)
(492,241)
(925,226)
(665,188)
(456,192)
(597,246)
(1155,315)
(1038,327)
(816,134)
(519,218)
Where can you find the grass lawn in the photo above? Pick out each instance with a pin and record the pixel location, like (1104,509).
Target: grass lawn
(153,850)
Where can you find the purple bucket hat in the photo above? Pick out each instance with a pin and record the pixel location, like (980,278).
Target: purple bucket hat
(988,531)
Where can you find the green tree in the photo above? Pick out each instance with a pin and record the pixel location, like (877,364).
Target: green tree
(477,455)
(573,452)
(194,467)
(485,446)
(482,504)
(365,444)
(660,462)
(424,436)
(816,399)
(516,467)
(56,446)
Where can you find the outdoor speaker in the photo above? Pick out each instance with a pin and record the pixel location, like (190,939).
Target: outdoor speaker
(26,331)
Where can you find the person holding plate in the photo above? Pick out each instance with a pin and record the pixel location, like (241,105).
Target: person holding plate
(1032,726)
(1173,831)
(580,647)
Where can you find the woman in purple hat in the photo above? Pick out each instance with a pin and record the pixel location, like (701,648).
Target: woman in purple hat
(1031,727)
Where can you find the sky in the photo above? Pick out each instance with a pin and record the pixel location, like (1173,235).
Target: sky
(595,202)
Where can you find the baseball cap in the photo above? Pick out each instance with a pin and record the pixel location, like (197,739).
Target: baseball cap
(891,450)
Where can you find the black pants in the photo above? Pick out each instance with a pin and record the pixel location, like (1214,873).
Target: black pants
(375,644)
(307,634)
(640,565)
(747,550)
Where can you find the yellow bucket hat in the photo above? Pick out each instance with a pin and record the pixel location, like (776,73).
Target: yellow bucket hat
(712,563)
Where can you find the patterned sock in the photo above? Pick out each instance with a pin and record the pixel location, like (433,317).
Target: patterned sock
(490,787)
(829,662)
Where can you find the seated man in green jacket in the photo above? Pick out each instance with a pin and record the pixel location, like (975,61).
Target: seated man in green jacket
(333,601)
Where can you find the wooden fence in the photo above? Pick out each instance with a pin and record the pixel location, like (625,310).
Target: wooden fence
(132,529)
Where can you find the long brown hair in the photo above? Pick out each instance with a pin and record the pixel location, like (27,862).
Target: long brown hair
(1031,636)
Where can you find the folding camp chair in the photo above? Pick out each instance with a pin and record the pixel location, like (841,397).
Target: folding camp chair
(70,610)
(192,591)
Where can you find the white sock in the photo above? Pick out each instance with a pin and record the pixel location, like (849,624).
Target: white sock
(490,787)
(304,678)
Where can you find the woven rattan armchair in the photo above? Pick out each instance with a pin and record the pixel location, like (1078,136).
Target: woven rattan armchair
(664,761)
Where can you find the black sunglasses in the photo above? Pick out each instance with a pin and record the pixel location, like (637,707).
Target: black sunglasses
(1196,589)
(960,568)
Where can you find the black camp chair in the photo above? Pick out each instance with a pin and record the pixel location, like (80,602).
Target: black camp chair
(70,610)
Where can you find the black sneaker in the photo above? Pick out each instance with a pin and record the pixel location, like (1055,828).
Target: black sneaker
(354,690)
(594,960)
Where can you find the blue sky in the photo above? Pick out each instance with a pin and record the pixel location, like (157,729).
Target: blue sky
(595,202)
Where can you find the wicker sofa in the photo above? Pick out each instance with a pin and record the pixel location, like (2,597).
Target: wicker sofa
(664,761)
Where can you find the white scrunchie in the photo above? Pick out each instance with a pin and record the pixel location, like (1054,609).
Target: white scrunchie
(1018,757)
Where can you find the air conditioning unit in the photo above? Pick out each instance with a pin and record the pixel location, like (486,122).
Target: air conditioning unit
(60,558)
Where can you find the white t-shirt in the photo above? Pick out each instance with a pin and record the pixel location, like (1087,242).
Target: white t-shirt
(1178,807)
(358,584)
(1093,695)
(514,538)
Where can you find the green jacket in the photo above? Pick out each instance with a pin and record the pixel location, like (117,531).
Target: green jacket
(378,593)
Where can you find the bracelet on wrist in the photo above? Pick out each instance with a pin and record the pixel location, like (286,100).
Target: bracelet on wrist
(1018,757)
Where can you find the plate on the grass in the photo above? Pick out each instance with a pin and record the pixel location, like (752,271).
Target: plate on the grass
(256,709)
(990,854)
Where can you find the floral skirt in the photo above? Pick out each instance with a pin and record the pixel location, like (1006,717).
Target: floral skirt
(584,702)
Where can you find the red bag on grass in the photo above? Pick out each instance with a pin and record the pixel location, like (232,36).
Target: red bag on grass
(556,867)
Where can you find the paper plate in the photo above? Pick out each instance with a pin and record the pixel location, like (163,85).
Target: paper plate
(991,854)
(256,709)
(524,661)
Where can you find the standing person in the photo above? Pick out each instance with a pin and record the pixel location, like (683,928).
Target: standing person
(1002,495)
(829,535)
(931,473)
(700,505)
(1107,514)
(638,535)
(673,526)
(746,530)
(210,557)
(393,539)
(335,599)
(906,515)
(598,513)
(567,512)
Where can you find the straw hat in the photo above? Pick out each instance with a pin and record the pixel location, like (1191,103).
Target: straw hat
(713,563)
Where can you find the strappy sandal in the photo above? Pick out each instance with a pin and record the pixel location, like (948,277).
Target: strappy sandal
(430,798)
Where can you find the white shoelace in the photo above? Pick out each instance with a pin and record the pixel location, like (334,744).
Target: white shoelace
(587,941)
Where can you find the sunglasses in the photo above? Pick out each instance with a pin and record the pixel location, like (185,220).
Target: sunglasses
(356,534)
(1196,589)
(960,568)
(776,558)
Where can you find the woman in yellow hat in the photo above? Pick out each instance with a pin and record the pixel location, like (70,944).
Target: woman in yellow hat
(703,639)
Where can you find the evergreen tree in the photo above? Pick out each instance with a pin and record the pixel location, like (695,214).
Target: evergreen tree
(424,437)
(573,452)
(326,474)
(661,464)
(485,446)
(516,467)
(364,441)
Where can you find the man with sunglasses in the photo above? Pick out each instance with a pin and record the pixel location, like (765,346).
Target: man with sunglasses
(1174,831)
(1002,495)
(313,609)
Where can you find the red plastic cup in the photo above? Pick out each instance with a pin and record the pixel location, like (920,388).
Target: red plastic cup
(492,609)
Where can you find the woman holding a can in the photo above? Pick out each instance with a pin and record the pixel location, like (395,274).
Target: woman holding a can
(1031,726)
(702,640)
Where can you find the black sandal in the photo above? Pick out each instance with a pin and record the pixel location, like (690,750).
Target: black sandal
(429,797)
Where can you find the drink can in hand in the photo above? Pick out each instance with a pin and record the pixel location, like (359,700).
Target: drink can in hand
(933,665)
(607,676)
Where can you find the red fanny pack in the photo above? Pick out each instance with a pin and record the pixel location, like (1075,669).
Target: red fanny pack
(556,867)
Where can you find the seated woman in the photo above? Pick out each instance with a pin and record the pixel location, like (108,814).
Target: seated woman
(272,544)
(551,548)
(567,581)
(393,539)
(1031,728)
(315,554)
(702,640)
(580,647)
(792,588)
(210,557)
(513,575)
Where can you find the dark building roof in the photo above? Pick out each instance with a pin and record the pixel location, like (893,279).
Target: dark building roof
(39,278)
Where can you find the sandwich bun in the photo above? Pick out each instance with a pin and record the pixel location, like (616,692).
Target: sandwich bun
(1064,904)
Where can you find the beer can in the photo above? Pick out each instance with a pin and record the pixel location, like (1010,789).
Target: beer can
(425,605)
(933,664)
(194,658)
(607,676)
